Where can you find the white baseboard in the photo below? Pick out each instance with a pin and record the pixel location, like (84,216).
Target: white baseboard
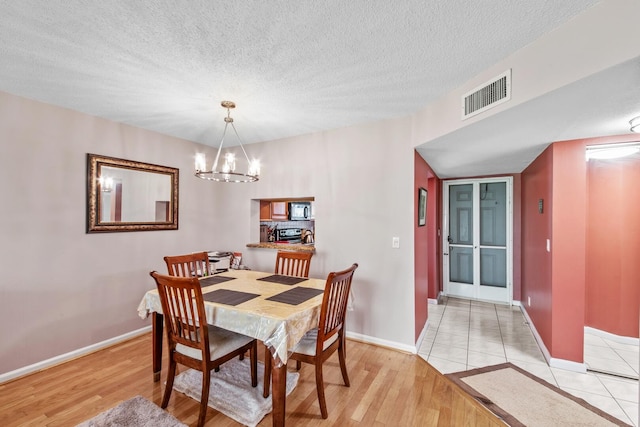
(71,355)
(536,335)
(435,301)
(383,343)
(612,337)
(567,365)
(422,334)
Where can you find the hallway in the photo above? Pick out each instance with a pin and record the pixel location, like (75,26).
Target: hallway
(465,334)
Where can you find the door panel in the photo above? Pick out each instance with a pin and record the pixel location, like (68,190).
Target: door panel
(461,267)
(493,267)
(477,251)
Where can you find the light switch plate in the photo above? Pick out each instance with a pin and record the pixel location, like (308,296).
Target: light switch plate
(395,242)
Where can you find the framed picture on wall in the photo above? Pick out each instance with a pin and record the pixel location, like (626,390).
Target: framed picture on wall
(422,207)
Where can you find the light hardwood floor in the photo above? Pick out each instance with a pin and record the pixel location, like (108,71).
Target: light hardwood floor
(388,388)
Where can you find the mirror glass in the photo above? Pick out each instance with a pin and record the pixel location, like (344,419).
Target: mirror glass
(125,195)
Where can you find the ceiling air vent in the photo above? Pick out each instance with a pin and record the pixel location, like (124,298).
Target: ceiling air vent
(488,95)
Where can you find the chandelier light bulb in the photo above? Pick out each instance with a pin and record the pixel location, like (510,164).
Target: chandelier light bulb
(230,162)
(254,167)
(201,162)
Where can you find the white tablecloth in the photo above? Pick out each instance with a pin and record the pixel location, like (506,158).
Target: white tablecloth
(280,326)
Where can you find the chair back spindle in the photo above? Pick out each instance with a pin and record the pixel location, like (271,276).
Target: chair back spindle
(190,265)
(183,307)
(334,304)
(293,263)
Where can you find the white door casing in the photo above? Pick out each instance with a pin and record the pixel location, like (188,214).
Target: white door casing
(478,239)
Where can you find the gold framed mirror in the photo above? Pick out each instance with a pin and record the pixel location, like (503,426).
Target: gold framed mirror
(125,195)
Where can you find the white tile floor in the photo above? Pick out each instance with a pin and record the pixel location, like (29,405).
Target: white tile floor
(466,334)
(605,355)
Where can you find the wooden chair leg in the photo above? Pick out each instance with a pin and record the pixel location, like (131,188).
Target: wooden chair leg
(171,373)
(320,389)
(204,397)
(298,365)
(267,372)
(343,364)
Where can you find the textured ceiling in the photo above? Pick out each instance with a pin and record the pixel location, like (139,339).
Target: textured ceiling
(292,67)
(599,105)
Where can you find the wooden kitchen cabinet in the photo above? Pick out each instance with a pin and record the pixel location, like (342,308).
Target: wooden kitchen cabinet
(273,211)
(265,210)
(279,210)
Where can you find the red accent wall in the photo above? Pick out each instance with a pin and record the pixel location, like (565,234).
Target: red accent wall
(566,285)
(553,281)
(426,253)
(613,246)
(568,245)
(434,225)
(536,229)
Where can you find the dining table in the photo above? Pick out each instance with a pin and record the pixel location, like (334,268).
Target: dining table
(275,309)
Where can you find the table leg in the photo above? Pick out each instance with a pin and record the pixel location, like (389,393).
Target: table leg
(268,361)
(278,392)
(157,345)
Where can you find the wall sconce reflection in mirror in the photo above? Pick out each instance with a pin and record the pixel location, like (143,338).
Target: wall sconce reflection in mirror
(124,195)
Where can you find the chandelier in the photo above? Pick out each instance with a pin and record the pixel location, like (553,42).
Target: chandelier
(227,171)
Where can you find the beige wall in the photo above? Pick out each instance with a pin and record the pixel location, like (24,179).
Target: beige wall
(64,290)
(362,181)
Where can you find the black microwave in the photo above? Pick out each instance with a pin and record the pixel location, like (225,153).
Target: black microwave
(299,211)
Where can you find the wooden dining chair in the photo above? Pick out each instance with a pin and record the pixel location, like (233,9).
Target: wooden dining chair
(318,344)
(194,343)
(190,265)
(288,263)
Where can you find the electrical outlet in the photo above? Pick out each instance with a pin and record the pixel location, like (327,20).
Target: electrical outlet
(395,242)
(529,301)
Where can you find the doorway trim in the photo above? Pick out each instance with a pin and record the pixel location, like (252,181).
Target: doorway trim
(509,235)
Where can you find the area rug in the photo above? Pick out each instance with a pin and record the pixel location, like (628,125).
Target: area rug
(522,399)
(231,392)
(138,412)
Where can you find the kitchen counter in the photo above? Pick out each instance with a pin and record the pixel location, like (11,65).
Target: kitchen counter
(286,246)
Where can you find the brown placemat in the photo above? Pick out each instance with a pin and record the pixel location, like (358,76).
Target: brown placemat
(296,295)
(228,297)
(214,280)
(283,280)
